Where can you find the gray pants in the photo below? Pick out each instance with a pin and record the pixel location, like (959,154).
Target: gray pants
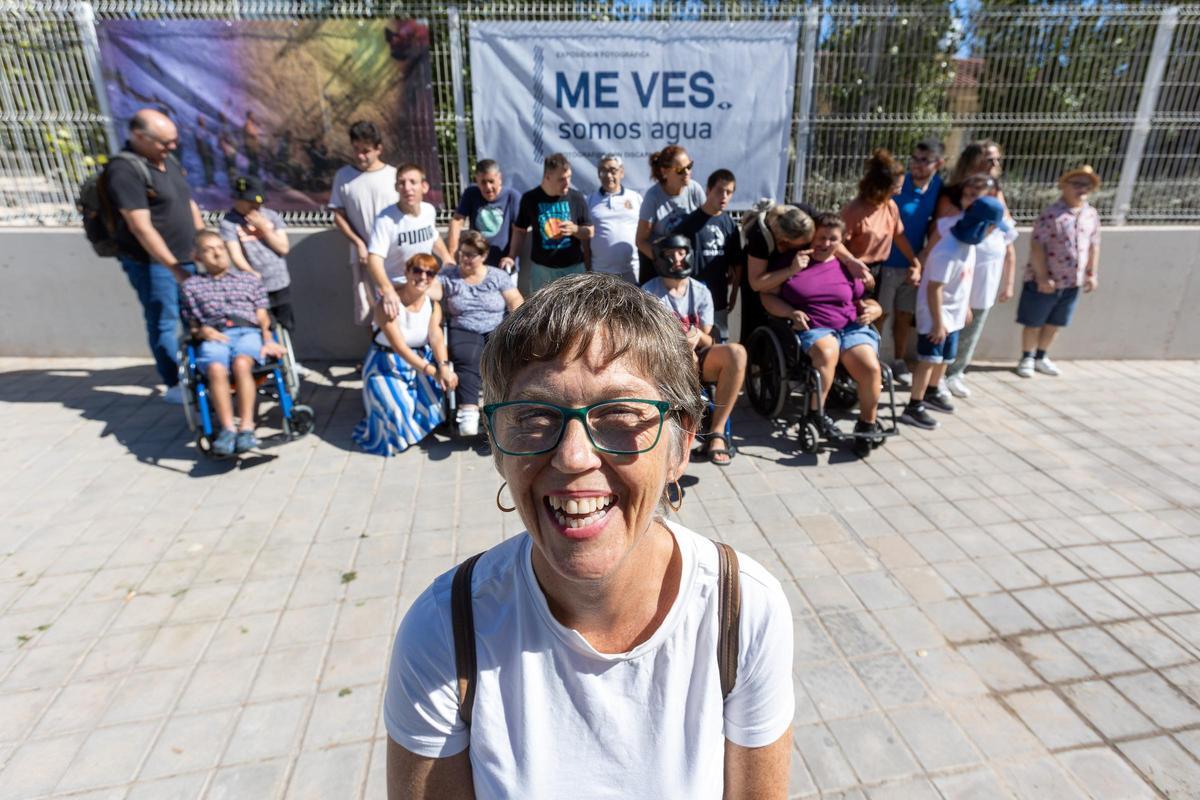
(967,341)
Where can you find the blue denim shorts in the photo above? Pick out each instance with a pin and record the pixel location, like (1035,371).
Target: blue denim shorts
(1036,309)
(850,336)
(242,342)
(942,353)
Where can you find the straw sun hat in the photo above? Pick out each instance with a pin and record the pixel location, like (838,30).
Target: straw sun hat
(1082,171)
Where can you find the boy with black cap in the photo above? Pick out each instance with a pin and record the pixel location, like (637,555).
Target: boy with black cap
(258,244)
(944,305)
(692,304)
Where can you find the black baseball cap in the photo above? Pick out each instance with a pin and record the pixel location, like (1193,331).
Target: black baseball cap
(247,187)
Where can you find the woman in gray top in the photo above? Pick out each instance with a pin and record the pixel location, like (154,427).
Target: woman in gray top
(476,297)
(673,196)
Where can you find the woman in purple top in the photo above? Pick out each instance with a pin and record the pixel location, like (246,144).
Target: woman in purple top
(833,323)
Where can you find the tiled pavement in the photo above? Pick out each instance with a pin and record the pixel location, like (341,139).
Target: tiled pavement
(1006,607)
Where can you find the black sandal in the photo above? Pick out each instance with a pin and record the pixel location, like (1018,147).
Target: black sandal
(728,452)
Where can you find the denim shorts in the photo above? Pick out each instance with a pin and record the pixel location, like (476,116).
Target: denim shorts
(242,342)
(942,353)
(850,336)
(1036,309)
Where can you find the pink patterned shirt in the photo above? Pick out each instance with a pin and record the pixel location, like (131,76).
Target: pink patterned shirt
(1067,236)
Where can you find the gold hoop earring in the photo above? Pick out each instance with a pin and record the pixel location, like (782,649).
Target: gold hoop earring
(678,503)
(499,505)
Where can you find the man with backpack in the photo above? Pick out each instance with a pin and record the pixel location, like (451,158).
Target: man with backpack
(152,219)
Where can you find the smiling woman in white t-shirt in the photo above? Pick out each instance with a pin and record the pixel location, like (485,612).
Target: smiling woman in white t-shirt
(596,632)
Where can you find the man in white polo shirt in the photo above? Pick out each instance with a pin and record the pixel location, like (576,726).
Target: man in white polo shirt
(614,210)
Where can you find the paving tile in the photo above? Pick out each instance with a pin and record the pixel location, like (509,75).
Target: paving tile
(823,757)
(1051,609)
(189,743)
(957,621)
(995,730)
(1166,764)
(873,748)
(835,690)
(1154,647)
(335,772)
(1102,773)
(1101,651)
(999,667)
(934,738)
(1107,710)
(1158,700)
(856,634)
(1004,614)
(1050,719)
(1041,778)
(35,767)
(1051,659)
(975,785)
(890,680)
(109,755)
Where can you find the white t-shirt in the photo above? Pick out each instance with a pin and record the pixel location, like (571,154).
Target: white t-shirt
(554,718)
(361,196)
(414,326)
(614,248)
(952,263)
(396,237)
(989,261)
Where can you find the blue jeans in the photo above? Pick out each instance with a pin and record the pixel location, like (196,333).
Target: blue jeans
(158,292)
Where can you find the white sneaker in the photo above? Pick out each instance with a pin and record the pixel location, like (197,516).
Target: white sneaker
(1045,366)
(467,420)
(174,395)
(957,385)
(1025,367)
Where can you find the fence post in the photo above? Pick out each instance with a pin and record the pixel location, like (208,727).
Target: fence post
(85,21)
(460,112)
(808,66)
(1145,113)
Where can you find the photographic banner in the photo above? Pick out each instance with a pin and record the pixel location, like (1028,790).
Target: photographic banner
(274,99)
(723,90)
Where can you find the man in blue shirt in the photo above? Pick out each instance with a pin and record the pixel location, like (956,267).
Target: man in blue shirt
(898,284)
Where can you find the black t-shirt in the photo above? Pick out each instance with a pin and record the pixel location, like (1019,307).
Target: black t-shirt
(716,246)
(170,207)
(543,213)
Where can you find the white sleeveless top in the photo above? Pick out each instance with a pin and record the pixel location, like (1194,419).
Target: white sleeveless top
(414,326)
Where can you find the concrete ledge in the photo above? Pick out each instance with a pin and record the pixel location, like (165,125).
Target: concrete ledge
(58,299)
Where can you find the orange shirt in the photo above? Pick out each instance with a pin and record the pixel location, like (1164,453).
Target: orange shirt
(871,229)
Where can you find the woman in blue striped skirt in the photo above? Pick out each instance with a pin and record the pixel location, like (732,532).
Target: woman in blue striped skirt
(407,369)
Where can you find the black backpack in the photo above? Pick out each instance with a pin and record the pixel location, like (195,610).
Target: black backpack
(99,216)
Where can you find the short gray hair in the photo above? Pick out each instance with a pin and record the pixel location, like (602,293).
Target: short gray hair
(562,318)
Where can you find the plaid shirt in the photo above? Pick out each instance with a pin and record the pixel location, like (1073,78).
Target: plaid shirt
(215,301)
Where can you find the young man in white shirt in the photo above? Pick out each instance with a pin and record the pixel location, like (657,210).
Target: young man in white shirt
(400,232)
(614,209)
(360,191)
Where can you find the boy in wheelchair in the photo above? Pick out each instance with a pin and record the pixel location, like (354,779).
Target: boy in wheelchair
(692,304)
(832,323)
(226,311)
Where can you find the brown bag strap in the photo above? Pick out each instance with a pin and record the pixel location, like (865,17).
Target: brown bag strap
(729,586)
(462,616)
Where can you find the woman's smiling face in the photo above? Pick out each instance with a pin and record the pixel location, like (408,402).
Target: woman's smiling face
(617,494)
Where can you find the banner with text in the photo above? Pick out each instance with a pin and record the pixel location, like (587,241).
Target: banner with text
(723,90)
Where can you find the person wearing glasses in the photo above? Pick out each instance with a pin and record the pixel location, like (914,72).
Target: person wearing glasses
(407,368)
(897,286)
(668,202)
(614,208)
(476,297)
(596,628)
(155,227)
(982,157)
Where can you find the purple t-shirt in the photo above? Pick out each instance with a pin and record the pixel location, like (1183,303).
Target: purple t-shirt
(825,292)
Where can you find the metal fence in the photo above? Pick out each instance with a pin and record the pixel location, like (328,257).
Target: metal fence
(1117,86)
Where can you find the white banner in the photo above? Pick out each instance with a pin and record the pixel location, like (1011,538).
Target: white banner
(723,90)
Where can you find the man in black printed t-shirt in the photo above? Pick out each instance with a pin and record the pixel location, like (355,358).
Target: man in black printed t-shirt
(558,218)
(155,224)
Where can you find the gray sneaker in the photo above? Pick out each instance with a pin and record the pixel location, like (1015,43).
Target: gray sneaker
(225,443)
(915,414)
(246,440)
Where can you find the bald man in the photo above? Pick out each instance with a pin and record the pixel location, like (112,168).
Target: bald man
(158,220)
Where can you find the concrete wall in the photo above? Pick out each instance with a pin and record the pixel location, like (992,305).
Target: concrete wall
(58,299)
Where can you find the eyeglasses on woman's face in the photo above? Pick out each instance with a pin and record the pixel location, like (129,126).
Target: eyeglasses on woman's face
(419,272)
(468,255)
(624,426)
(684,169)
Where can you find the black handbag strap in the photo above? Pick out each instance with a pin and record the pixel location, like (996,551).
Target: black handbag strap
(462,617)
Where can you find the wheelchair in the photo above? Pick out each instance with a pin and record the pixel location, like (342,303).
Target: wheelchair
(277,379)
(776,368)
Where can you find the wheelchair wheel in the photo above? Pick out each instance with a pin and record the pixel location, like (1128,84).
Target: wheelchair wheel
(291,378)
(766,381)
(186,383)
(810,438)
(302,422)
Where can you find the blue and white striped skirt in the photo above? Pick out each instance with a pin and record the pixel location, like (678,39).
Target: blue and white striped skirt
(402,405)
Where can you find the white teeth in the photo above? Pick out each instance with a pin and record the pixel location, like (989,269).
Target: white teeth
(555,503)
(571,506)
(592,507)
